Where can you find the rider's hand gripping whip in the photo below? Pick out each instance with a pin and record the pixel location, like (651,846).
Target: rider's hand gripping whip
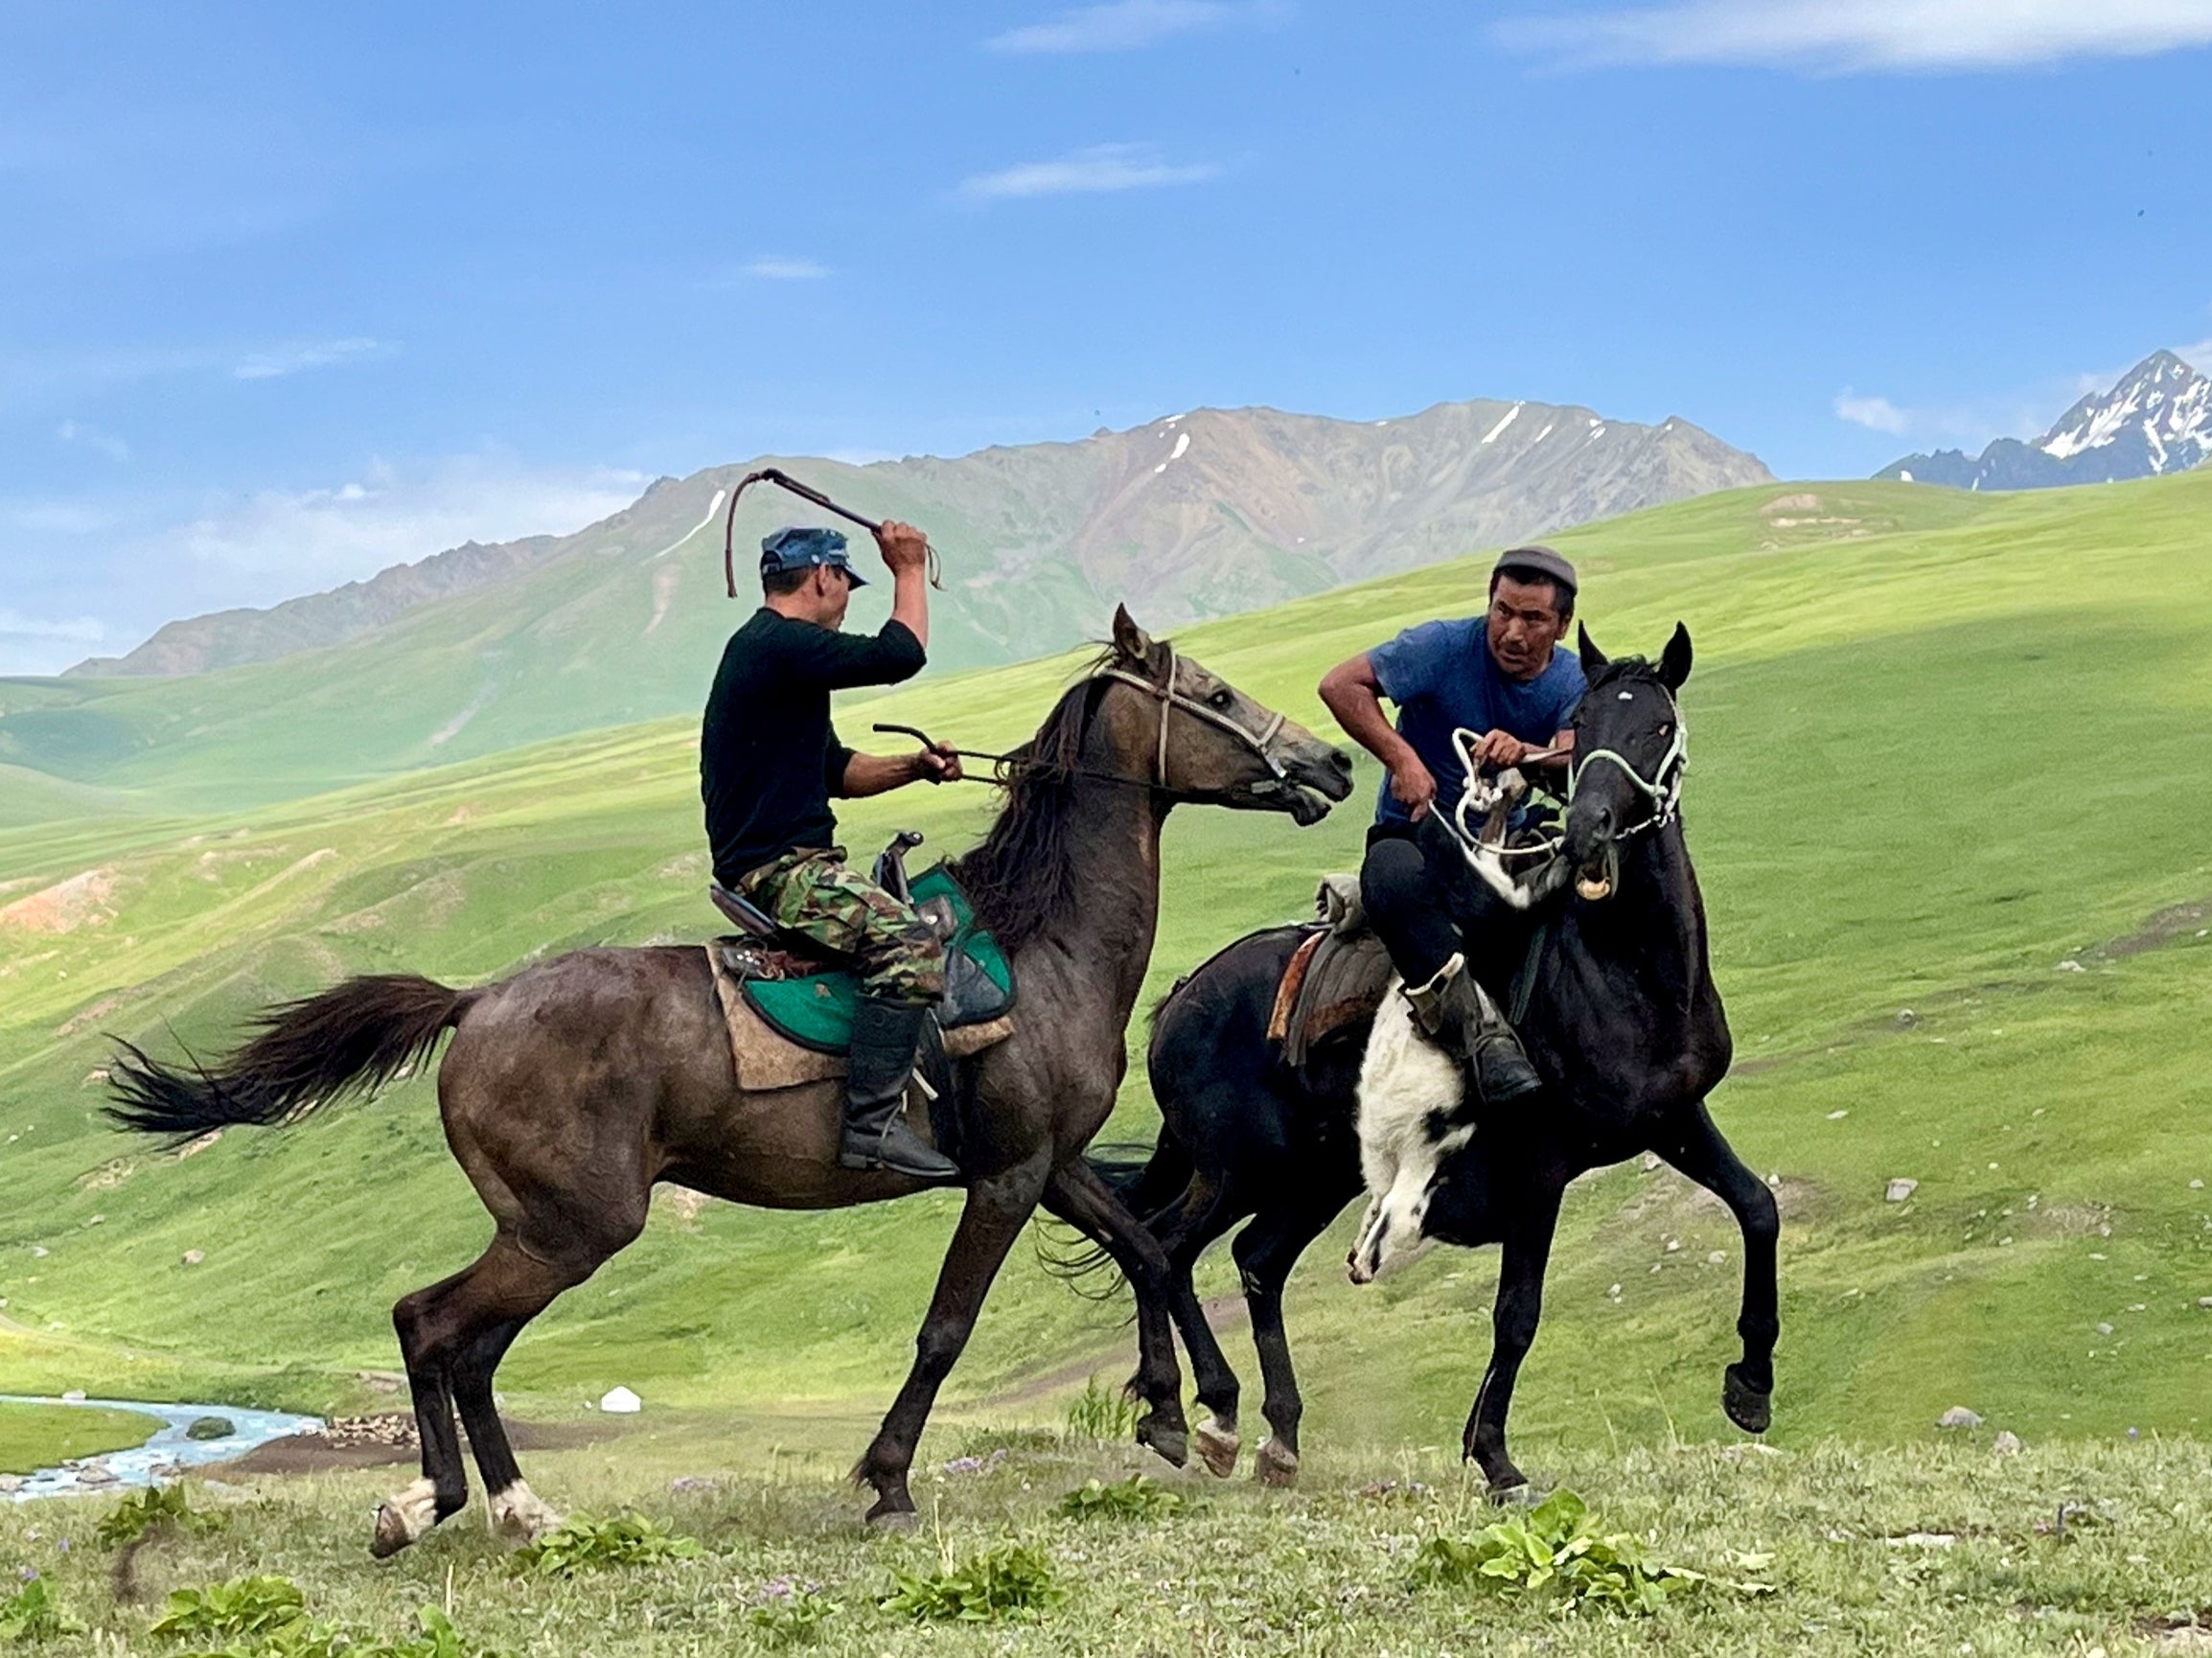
(784,480)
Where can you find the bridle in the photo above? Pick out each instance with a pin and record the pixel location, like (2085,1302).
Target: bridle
(1171,698)
(1663,788)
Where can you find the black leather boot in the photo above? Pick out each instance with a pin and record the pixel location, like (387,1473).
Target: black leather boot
(1460,1015)
(885,1035)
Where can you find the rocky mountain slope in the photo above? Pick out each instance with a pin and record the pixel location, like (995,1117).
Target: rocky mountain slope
(1199,515)
(2158,418)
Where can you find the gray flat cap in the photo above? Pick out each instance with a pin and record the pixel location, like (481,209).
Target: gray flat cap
(1537,561)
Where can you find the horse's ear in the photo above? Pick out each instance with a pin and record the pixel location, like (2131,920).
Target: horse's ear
(1593,659)
(1129,639)
(1674,661)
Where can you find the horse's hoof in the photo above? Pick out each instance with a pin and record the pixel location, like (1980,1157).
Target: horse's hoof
(1276,1465)
(1171,1444)
(392,1533)
(520,1512)
(1510,1490)
(888,1519)
(1749,1408)
(1219,1447)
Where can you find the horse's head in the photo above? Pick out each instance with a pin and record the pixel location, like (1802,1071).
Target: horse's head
(1197,737)
(1631,751)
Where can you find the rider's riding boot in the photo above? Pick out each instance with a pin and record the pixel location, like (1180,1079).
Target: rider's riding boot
(1460,1014)
(885,1037)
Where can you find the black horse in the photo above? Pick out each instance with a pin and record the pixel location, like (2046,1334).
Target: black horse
(1623,1022)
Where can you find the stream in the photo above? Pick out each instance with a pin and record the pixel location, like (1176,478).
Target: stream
(147,1464)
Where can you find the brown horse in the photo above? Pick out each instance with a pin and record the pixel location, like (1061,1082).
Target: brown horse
(573,1086)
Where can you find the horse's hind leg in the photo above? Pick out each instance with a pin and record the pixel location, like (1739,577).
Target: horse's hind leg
(1077,1195)
(1265,1252)
(1513,1320)
(996,1211)
(442,1490)
(1205,1212)
(1703,1154)
(452,1335)
(505,1291)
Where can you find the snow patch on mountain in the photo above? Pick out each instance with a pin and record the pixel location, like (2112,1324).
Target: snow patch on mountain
(2158,418)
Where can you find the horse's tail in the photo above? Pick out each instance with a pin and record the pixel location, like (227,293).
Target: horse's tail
(1148,1180)
(302,1054)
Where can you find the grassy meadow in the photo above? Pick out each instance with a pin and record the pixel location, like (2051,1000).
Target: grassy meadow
(40,1435)
(1946,798)
(1930,1550)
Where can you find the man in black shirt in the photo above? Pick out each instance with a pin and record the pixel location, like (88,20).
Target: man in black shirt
(769,761)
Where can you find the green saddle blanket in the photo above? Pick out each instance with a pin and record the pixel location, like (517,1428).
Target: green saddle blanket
(817,1011)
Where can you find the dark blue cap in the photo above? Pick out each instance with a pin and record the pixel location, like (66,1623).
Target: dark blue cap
(794,548)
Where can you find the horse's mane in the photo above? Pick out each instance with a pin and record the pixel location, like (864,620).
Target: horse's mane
(1024,873)
(1624,668)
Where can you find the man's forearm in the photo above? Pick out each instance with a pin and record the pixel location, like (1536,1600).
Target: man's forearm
(1360,712)
(868,774)
(910,603)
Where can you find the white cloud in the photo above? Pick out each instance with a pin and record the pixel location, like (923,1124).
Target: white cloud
(773,269)
(277,544)
(2198,356)
(59,517)
(279,361)
(1844,35)
(1874,413)
(1103,167)
(1126,25)
(15,624)
(78,432)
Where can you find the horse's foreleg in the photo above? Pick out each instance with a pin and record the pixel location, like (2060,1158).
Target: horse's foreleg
(1077,1195)
(996,1211)
(1265,1252)
(1513,1320)
(1703,1154)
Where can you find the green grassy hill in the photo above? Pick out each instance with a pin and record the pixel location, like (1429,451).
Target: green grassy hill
(1948,757)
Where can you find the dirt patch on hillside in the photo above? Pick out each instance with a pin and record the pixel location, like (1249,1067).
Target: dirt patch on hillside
(1791,504)
(80,901)
(375,1441)
(2175,921)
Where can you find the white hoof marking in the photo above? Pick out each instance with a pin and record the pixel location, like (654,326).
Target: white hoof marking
(416,1509)
(518,1512)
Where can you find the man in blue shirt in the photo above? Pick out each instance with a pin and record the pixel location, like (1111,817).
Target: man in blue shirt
(1499,675)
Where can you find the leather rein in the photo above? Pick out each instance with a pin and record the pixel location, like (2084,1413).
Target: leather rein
(1169,699)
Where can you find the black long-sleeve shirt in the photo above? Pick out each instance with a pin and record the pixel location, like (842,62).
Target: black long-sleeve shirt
(769,758)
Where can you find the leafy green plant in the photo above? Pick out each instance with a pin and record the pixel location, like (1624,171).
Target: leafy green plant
(786,1613)
(1136,1498)
(1554,1554)
(586,1545)
(155,1507)
(439,1639)
(255,1607)
(1102,1414)
(33,1614)
(1012,1581)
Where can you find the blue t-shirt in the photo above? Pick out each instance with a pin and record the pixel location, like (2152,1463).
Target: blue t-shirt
(1442,676)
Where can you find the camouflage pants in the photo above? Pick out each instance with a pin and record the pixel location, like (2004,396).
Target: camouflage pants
(814,892)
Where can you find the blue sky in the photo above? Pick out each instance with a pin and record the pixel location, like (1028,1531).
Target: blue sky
(289,293)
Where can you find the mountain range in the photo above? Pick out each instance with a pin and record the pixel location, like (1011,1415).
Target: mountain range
(1197,514)
(2156,418)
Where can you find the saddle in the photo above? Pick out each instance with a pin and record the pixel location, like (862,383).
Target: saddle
(1335,979)
(788,1004)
